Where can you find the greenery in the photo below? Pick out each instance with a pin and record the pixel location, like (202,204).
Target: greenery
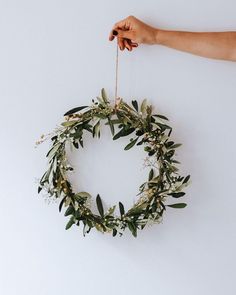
(148,130)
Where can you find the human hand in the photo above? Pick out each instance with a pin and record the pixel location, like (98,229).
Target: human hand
(131,31)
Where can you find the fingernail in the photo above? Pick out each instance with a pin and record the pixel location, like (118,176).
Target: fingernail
(115,33)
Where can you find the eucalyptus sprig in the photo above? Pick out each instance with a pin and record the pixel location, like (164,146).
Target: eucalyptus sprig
(152,131)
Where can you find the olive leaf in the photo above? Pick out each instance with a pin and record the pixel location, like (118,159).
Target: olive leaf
(175,146)
(123,132)
(132,228)
(69,123)
(104,95)
(84,195)
(161,116)
(122,209)
(69,211)
(75,144)
(111,210)
(113,121)
(131,144)
(61,203)
(114,232)
(53,150)
(177,205)
(70,223)
(144,106)
(111,126)
(151,174)
(99,205)
(96,129)
(75,110)
(186,179)
(135,105)
(177,195)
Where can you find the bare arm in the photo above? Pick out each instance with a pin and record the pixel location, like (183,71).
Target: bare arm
(218,45)
(131,32)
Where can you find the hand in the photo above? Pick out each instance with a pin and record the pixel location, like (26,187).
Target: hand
(131,31)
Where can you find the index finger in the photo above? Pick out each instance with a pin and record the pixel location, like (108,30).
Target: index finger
(122,25)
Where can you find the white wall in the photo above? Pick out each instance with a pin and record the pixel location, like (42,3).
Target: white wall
(55,55)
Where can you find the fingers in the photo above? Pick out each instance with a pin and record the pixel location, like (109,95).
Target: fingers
(133,44)
(121,43)
(124,33)
(127,44)
(124,39)
(122,25)
(112,35)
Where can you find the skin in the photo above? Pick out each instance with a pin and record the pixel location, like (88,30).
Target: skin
(131,32)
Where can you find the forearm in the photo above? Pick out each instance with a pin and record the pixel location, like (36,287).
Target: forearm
(217,45)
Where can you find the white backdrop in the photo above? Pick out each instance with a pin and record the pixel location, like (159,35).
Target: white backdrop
(55,55)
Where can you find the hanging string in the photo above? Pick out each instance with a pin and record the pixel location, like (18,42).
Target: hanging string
(116,76)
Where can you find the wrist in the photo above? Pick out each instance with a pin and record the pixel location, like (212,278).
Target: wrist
(159,36)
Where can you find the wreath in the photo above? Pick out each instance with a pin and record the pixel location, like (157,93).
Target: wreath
(147,129)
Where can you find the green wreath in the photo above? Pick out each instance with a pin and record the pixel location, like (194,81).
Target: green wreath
(150,130)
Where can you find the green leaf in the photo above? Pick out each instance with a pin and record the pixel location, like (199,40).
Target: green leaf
(151,174)
(75,144)
(113,121)
(178,205)
(186,179)
(111,126)
(104,95)
(143,106)
(177,195)
(87,127)
(75,110)
(161,116)
(84,195)
(61,203)
(81,142)
(123,132)
(78,133)
(111,210)
(174,161)
(132,228)
(114,232)
(99,205)
(163,126)
(70,223)
(53,150)
(70,210)
(168,144)
(102,116)
(135,104)
(170,131)
(122,209)
(131,144)
(69,123)
(152,152)
(176,145)
(96,129)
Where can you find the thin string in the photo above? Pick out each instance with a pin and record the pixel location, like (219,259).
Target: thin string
(116,75)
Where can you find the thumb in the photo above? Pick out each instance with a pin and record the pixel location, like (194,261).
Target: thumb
(125,34)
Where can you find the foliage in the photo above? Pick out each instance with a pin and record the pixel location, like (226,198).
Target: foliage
(147,129)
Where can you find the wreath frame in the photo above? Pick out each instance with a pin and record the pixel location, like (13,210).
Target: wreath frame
(150,130)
